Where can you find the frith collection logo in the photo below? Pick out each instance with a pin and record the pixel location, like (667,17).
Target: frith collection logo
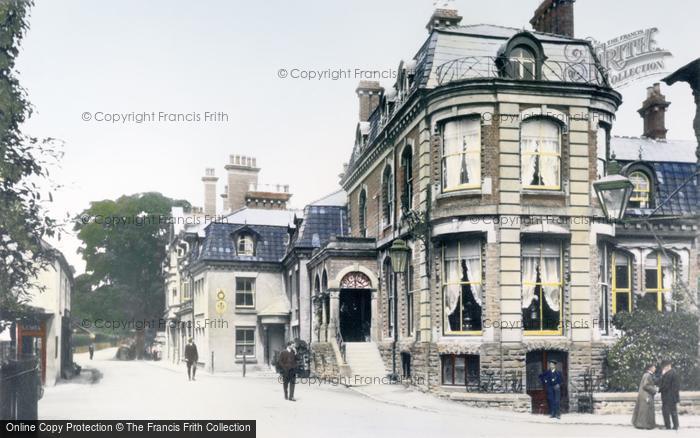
(631,57)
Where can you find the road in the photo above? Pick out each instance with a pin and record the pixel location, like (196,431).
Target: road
(147,390)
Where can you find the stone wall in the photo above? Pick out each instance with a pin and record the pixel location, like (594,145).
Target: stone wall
(622,403)
(323,363)
(510,402)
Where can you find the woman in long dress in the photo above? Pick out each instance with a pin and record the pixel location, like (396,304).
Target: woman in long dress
(643,417)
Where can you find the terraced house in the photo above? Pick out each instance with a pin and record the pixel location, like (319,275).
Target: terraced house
(482,157)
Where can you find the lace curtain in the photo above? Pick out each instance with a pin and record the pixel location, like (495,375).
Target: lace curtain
(461,153)
(540,150)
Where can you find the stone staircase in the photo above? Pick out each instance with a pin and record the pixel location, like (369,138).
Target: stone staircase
(364,359)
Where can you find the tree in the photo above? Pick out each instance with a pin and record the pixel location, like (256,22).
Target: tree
(24,163)
(123,245)
(648,337)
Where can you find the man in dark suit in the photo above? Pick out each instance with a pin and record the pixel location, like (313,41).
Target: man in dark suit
(287,361)
(669,387)
(191,358)
(551,379)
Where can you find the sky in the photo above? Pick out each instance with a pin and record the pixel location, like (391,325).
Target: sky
(185,57)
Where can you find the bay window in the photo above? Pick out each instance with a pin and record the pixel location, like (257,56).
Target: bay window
(461,154)
(658,280)
(462,286)
(622,283)
(542,274)
(540,150)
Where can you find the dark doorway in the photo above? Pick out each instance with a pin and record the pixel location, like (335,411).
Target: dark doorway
(535,364)
(355,315)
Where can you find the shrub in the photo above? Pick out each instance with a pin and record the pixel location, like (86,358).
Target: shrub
(648,337)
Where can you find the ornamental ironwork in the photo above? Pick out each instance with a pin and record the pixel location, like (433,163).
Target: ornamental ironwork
(355,280)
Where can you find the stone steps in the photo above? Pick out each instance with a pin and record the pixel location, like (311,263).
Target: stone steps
(364,359)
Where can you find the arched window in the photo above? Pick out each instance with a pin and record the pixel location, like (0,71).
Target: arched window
(387,195)
(621,282)
(523,64)
(540,154)
(245,245)
(461,154)
(407,183)
(362,213)
(659,274)
(641,194)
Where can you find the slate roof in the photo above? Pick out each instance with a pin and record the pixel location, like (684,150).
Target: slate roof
(673,161)
(320,223)
(219,244)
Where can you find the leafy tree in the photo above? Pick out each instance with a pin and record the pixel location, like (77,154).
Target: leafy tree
(648,337)
(123,245)
(24,163)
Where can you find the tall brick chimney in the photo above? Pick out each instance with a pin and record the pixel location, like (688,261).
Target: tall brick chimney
(209,179)
(445,16)
(653,111)
(242,173)
(555,16)
(369,93)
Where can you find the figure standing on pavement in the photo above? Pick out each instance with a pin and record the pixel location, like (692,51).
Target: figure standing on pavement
(643,417)
(287,361)
(552,380)
(669,387)
(191,357)
(91,350)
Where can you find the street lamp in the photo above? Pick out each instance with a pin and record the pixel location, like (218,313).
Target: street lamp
(613,192)
(399,259)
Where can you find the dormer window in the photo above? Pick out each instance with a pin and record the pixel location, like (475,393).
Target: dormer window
(641,194)
(521,58)
(245,245)
(522,64)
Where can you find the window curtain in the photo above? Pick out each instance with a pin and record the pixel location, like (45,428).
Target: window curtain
(551,274)
(462,153)
(667,280)
(451,289)
(474,273)
(539,138)
(529,278)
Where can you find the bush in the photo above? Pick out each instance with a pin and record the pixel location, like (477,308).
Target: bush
(648,337)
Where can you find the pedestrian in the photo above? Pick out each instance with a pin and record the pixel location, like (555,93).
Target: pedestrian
(287,361)
(191,357)
(643,417)
(91,350)
(552,381)
(669,387)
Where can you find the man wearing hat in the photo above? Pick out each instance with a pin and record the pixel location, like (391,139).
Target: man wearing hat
(191,357)
(669,387)
(552,380)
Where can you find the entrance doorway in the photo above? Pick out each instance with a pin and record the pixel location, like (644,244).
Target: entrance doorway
(536,363)
(355,314)
(274,343)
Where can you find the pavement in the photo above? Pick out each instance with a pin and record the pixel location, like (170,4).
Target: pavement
(158,390)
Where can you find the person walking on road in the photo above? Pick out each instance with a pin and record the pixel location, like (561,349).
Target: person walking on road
(191,357)
(643,417)
(669,387)
(91,350)
(288,362)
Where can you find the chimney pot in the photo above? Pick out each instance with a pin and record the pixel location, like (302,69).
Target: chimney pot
(653,112)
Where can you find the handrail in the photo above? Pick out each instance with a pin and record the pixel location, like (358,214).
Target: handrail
(340,342)
(489,67)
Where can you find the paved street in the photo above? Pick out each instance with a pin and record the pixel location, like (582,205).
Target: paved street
(147,390)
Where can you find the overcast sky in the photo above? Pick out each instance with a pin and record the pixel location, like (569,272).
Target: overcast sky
(190,57)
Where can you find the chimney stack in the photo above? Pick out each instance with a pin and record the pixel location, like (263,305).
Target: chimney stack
(209,179)
(369,93)
(555,16)
(242,172)
(445,16)
(653,111)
